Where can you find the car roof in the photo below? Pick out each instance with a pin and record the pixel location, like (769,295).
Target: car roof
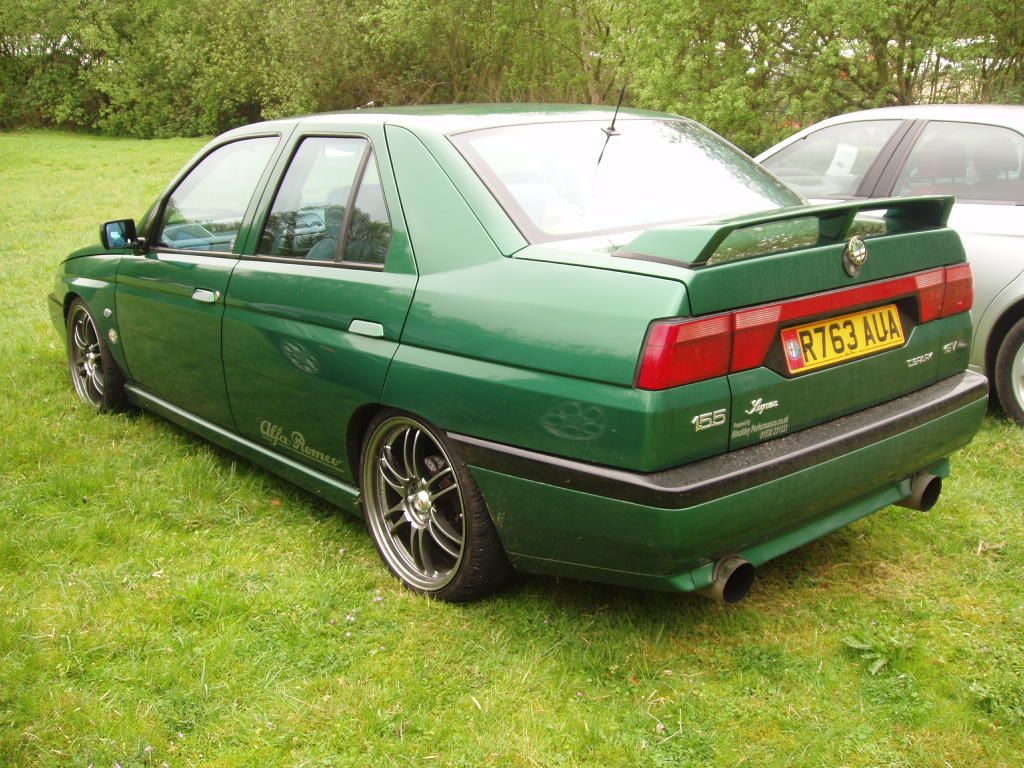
(1008,115)
(451,118)
(1000,114)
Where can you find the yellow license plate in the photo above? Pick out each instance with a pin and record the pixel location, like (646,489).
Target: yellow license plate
(837,339)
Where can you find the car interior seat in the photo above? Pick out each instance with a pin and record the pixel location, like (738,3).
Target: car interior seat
(334,219)
(940,169)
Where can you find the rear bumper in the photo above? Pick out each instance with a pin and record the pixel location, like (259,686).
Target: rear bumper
(666,529)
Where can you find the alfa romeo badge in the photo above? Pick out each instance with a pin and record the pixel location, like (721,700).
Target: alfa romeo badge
(855,256)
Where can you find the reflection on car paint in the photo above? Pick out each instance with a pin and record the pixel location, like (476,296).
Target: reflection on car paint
(300,356)
(573,420)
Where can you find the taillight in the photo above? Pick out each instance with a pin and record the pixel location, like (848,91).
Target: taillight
(683,351)
(931,287)
(959,290)
(756,329)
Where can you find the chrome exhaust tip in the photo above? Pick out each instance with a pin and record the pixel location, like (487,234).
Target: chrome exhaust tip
(925,490)
(733,578)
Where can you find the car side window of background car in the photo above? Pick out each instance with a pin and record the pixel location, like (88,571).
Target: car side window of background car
(832,162)
(204,213)
(313,216)
(973,161)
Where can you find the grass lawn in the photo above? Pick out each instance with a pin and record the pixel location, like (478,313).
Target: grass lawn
(162,602)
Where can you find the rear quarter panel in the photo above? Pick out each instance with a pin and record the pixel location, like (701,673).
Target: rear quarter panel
(535,354)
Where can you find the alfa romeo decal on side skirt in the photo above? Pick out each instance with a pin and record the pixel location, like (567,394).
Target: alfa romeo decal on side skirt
(296,441)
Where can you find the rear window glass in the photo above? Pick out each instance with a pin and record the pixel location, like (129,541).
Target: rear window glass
(560,180)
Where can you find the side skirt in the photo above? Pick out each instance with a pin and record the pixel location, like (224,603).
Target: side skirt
(334,491)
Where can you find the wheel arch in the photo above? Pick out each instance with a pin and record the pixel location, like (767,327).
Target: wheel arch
(93,298)
(69,297)
(1010,316)
(356,434)
(359,423)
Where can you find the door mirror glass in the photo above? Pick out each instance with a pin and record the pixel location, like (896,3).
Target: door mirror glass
(119,234)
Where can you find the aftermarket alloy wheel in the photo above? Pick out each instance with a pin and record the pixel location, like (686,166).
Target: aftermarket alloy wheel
(1009,373)
(94,373)
(425,512)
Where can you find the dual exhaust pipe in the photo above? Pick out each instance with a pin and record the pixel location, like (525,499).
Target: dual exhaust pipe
(733,576)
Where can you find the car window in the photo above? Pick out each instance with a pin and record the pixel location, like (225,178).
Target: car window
(970,160)
(832,162)
(369,229)
(204,213)
(569,179)
(310,217)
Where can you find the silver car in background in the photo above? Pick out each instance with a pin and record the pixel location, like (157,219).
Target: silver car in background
(972,151)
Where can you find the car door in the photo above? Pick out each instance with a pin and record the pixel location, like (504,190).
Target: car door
(315,310)
(981,165)
(169,299)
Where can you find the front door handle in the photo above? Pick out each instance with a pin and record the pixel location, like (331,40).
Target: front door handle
(205,296)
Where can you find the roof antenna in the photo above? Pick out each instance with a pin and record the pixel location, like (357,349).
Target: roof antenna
(610,130)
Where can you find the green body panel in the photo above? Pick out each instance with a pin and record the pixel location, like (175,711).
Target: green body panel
(445,233)
(581,323)
(495,221)
(784,275)
(595,253)
(172,342)
(696,245)
(555,530)
(322,484)
(90,274)
(295,374)
(590,421)
(472,301)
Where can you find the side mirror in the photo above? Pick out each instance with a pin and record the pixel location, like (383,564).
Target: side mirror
(120,234)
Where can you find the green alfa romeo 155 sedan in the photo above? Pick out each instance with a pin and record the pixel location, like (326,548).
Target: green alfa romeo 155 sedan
(557,340)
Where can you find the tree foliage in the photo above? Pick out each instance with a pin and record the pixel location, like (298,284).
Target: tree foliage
(754,70)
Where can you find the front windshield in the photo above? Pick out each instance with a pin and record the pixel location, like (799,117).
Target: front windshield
(560,180)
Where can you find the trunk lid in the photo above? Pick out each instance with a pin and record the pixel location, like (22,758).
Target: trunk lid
(822,312)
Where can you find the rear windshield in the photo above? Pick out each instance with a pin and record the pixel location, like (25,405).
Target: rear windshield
(573,179)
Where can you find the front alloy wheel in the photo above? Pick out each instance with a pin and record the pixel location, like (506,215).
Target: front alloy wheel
(426,514)
(94,373)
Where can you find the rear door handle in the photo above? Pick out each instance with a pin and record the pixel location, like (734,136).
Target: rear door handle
(366,328)
(205,296)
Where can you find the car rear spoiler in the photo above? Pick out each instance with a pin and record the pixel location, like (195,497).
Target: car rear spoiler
(697,245)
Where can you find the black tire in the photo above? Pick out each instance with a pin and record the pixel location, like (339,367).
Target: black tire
(425,512)
(94,374)
(1008,374)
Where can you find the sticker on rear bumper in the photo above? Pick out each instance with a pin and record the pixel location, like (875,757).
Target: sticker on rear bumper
(760,430)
